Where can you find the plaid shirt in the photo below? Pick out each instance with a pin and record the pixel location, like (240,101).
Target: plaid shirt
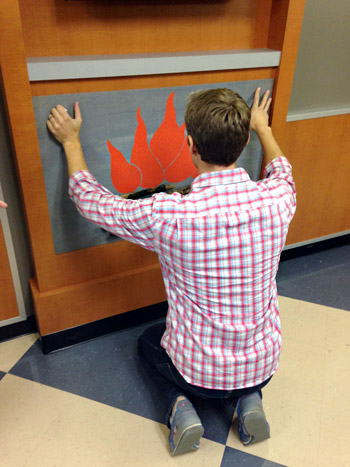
(219,249)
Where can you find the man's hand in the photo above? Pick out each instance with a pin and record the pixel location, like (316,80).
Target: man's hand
(3,205)
(259,120)
(64,128)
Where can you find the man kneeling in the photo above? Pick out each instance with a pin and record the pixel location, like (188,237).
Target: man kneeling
(219,248)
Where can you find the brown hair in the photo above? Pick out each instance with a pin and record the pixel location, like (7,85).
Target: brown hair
(218,121)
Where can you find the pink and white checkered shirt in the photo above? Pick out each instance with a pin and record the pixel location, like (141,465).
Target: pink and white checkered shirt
(219,249)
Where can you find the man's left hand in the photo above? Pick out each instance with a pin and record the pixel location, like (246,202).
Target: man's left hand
(65,128)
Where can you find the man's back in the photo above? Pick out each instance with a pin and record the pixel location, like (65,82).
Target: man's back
(219,249)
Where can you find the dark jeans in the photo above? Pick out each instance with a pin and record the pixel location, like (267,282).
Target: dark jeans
(169,381)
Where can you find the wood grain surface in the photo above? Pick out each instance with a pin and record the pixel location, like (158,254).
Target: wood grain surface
(319,152)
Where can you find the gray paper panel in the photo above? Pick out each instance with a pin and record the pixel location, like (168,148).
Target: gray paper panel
(112,116)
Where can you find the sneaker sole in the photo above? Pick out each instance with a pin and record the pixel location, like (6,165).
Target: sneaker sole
(188,439)
(256,425)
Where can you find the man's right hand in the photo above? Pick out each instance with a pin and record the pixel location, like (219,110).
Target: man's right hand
(259,120)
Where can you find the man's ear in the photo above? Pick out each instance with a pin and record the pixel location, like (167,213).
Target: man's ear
(191,145)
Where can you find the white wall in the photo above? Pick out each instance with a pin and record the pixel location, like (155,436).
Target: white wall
(322,73)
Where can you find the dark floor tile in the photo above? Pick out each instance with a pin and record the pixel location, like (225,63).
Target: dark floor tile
(107,370)
(234,457)
(2,374)
(320,278)
(216,419)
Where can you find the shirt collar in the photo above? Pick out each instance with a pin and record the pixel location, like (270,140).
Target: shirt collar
(220,177)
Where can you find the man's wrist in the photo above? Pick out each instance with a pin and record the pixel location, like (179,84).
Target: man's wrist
(264,131)
(72,144)
(74,155)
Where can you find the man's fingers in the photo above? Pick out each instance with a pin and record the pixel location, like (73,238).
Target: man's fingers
(49,126)
(77,113)
(55,113)
(256,98)
(52,126)
(62,111)
(267,106)
(264,99)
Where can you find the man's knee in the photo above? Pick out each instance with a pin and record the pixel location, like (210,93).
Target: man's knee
(149,344)
(152,335)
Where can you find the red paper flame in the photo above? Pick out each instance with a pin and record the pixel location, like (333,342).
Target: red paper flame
(182,167)
(169,138)
(167,158)
(125,177)
(152,172)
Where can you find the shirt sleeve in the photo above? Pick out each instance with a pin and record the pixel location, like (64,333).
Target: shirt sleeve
(279,181)
(129,219)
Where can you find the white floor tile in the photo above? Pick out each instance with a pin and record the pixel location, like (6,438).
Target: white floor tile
(11,351)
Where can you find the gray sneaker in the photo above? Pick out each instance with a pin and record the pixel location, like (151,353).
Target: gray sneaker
(252,424)
(186,429)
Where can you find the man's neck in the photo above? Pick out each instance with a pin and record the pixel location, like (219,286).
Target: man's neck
(203,167)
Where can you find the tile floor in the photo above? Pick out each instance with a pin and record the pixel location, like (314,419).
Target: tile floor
(93,406)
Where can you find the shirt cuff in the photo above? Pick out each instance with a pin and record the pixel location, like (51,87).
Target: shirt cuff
(279,164)
(77,177)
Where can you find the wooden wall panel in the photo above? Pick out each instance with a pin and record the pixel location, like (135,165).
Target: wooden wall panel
(8,302)
(319,151)
(284,32)
(90,301)
(43,88)
(59,27)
